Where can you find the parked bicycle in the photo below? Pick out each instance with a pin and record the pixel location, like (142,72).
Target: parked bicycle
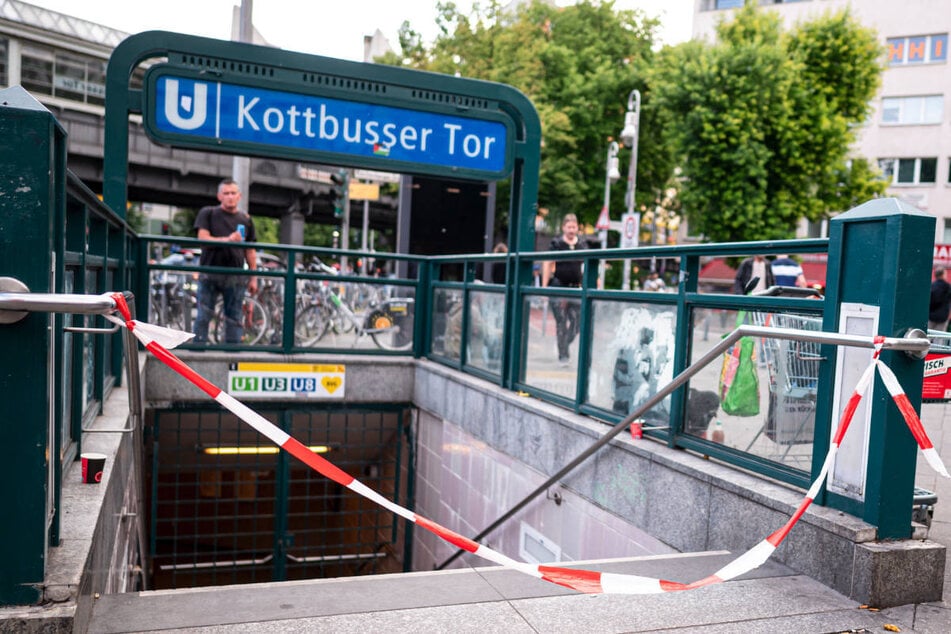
(172,300)
(254,322)
(387,321)
(261,314)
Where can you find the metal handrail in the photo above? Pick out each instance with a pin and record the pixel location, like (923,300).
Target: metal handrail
(57,303)
(16,301)
(14,304)
(913,343)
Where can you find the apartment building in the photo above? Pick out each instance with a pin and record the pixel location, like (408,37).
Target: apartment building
(908,132)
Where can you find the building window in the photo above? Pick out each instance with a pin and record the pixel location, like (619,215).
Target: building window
(909,171)
(917,49)
(912,110)
(63,75)
(946,232)
(79,79)
(36,70)
(4,63)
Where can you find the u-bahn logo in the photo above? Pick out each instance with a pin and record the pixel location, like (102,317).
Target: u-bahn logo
(195,105)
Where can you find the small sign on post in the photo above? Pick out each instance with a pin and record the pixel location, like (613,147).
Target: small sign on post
(364,191)
(604,220)
(629,231)
(376,177)
(936,387)
(287,380)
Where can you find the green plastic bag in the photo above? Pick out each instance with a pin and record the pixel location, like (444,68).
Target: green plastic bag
(739,386)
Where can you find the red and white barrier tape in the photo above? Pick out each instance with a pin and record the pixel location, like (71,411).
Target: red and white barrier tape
(588,581)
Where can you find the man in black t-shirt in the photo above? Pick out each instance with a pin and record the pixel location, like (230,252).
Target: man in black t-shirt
(224,223)
(561,273)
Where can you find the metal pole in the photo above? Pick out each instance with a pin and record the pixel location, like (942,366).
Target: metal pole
(345,227)
(913,343)
(633,112)
(241,165)
(366,231)
(610,175)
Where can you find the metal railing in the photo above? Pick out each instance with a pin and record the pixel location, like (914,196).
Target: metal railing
(461,318)
(16,302)
(914,343)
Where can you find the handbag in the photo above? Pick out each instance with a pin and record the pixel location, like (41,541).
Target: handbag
(739,382)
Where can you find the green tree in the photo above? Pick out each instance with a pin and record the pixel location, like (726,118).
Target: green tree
(136,217)
(183,222)
(267,229)
(761,122)
(577,64)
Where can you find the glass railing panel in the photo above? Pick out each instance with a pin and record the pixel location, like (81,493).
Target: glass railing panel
(632,356)
(172,299)
(551,328)
(446,332)
(760,398)
(485,331)
(354,315)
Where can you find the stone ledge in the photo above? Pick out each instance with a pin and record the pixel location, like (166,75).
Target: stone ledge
(893,573)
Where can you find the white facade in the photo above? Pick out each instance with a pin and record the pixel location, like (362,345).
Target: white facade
(908,132)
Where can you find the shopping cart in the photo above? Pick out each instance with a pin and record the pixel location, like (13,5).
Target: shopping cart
(793,371)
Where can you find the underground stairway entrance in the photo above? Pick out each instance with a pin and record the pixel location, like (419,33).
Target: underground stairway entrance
(227,507)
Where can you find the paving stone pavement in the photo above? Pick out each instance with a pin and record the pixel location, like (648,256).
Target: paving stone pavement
(936,418)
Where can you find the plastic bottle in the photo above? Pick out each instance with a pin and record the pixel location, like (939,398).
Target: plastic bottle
(241,231)
(718,431)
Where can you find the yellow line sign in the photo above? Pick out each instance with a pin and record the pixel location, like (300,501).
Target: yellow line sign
(364,191)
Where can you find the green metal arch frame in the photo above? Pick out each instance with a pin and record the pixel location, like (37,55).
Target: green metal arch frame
(257,65)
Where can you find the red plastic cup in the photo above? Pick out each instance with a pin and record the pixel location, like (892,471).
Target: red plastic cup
(637,430)
(93,464)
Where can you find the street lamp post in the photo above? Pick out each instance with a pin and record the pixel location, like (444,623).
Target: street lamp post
(611,175)
(632,127)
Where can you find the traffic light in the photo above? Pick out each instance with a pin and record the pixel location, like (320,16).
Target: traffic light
(340,191)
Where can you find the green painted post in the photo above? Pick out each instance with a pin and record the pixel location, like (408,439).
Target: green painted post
(686,322)
(33,184)
(880,255)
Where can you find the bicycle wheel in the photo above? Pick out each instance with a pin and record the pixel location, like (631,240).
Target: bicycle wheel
(311,325)
(180,310)
(385,332)
(254,322)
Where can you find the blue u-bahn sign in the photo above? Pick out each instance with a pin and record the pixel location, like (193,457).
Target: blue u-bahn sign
(224,116)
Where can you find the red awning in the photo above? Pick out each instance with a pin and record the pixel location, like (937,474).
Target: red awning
(718,272)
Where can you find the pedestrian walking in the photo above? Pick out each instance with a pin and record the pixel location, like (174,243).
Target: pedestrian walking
(565,273)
